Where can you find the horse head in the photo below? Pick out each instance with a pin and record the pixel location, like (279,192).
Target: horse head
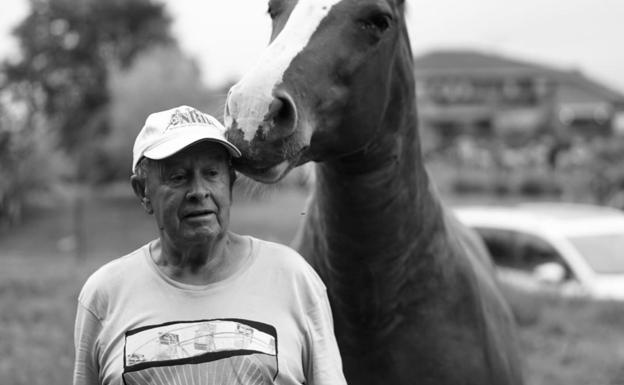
(309,98)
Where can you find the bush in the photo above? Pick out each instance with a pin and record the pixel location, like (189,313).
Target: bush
(538,185)
(471,183)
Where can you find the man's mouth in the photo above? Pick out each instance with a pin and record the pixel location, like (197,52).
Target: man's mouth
(197,214)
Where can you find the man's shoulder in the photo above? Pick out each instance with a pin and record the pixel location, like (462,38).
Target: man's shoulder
(276,247)
(274,252)
(111,275)
(287,261)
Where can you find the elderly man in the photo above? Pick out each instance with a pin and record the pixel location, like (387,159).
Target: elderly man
(200,304)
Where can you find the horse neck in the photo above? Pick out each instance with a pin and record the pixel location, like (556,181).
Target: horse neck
(371,231)
(373,223)
(377,203)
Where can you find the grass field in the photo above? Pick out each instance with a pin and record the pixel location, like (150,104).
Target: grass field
(564,343)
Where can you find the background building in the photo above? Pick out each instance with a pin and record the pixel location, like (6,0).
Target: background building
(472,92)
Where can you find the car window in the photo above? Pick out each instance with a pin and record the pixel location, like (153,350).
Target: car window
(603,252)
(522,251)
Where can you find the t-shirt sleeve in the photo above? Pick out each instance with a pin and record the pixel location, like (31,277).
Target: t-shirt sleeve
(324,366)
(86,333)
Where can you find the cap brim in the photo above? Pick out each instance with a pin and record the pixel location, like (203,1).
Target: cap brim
(172,146)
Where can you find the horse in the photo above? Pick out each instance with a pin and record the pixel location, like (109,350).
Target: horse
(413,293)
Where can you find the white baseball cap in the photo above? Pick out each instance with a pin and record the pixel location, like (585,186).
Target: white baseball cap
(167,132)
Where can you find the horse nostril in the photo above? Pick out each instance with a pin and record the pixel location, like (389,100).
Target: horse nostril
(275,109)
(281,117)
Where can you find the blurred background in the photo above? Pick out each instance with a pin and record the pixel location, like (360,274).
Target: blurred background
(518,100)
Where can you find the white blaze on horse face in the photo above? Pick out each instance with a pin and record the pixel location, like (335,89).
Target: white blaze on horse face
(250,98)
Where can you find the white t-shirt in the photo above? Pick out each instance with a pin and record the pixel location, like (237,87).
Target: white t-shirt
(268,323)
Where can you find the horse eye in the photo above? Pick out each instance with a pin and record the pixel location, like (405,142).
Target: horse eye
(379,22)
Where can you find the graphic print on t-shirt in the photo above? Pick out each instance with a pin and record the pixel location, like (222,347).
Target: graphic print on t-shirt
(218,351)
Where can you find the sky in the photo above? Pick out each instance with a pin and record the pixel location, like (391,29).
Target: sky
(226,36)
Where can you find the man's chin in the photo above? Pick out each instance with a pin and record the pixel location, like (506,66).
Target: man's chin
(201,234)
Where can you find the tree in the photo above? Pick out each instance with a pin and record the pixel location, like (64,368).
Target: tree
(61,77)
(67,48)
(28,160)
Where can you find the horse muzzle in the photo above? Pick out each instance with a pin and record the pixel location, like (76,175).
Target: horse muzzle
(265,118)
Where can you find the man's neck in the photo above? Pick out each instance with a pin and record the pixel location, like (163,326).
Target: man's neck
(201,264)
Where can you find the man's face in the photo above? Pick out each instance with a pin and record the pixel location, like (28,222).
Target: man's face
(190,194)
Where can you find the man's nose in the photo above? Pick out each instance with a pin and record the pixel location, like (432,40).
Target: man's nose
(199,189)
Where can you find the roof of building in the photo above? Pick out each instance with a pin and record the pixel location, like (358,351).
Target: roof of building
(475,63)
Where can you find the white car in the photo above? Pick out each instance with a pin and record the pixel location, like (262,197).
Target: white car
(569,249)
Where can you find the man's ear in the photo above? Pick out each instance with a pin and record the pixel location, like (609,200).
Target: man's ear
(138,185)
